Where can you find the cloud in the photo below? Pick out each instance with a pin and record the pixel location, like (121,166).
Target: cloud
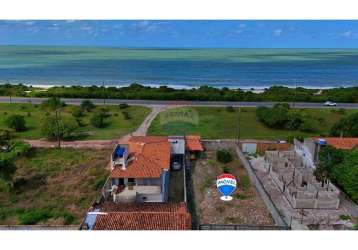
(347,34)
(29,23)
(277,32)
(146,26)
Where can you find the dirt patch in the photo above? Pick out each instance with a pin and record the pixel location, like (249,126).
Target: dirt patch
(246,207)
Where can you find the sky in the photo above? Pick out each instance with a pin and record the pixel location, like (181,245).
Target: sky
(181,34)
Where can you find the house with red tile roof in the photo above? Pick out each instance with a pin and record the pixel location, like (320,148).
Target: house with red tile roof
(140,170)
(139,216)
(193,145)
(346,143)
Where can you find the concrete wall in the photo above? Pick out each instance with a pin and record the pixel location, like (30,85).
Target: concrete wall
(219,144)
(261,190)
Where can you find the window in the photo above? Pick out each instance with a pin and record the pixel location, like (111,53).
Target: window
(131,181)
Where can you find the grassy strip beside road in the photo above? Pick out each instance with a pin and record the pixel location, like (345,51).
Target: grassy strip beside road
(214,123)
(116,126)
(53,186)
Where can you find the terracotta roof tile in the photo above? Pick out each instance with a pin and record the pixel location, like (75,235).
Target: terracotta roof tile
(193,143)
(149,156)
(341,143)
(143,216)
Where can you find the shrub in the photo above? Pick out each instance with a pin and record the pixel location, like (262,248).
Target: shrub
(346,126)
(16,122)
(223,156)
(100,182)
(123,106)
(34,216)
(77,112)
(97,120)
(226,169)
(126,115)
(229,109)
(245,182)
(308,125)
(87,105)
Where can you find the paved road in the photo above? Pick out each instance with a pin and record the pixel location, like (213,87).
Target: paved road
(77,101)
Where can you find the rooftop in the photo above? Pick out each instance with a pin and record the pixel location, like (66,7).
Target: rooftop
(143,216)
(341,143)
(193,143)
(148,157)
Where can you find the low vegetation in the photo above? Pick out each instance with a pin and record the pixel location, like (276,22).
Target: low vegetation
(39,121)
(281,116)
(53,186)
(223,156)
(204,93)
(340,167)
(216,123)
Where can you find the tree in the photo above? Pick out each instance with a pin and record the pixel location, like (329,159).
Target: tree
(346,126)
(97,120)
(87,105)
(54,128)
(77,112)
(53,103)
(16,122)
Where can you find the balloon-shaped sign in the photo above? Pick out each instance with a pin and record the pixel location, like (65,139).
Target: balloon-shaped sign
(226,184)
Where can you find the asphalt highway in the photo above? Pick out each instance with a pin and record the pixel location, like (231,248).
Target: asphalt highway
(77,101)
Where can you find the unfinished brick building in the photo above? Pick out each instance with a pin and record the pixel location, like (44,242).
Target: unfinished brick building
(295,179)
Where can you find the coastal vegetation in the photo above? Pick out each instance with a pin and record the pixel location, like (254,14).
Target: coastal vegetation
(215,123)
(203,93)
(281,116)
(40,121)
(340,167)
(52,186)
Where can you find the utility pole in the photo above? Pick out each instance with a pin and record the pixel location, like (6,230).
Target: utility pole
(57,115)
(8,83)
(239,127)
(104,94)
(294,98)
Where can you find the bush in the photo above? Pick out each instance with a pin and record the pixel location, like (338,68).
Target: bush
(100,182)
(229,109)
(87,105)
(97,120)
(77,112)
(34,216)
(123,106)
(126,115)
(223,156)
(308,125)
(16,122)
(226,169)
(346,126)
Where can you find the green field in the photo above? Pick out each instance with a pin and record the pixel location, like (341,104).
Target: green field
(53,186)
(116,126)
(216,123)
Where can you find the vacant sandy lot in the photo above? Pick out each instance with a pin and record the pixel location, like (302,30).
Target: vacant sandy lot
(246,207)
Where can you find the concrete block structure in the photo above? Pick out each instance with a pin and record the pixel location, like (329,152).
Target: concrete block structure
(294,177)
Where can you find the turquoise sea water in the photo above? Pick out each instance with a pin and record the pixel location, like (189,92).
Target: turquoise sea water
(245,68)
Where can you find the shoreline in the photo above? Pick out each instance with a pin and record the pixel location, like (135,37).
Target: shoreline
(254,89)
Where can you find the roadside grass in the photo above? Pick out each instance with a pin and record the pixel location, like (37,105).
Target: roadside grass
(116,124)
(217,122)
(53,186)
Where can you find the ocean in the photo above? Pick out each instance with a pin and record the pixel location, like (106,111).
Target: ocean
(179,68)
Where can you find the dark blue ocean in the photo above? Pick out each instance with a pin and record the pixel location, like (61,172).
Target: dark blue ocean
(244,68)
